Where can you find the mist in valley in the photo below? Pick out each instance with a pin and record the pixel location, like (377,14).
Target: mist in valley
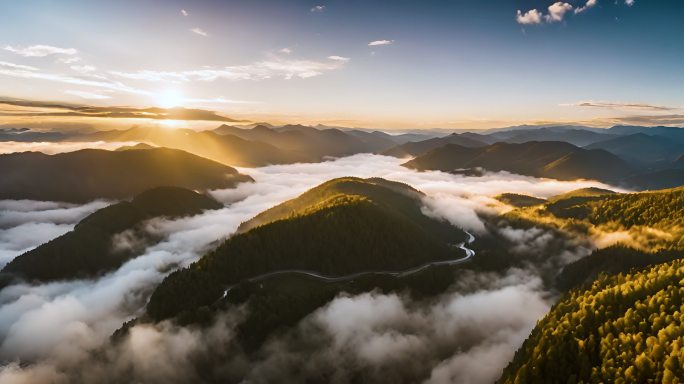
(60,331)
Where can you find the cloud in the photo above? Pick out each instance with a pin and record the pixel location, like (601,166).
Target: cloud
(274,67)
(199,31)
(83,68)
(380,42)
(64,328)
(87,95)
(153,113)
(587,5)
(339,58)
(11,66)
(25,224)
(69,60)
(532,16)
(557,11)
(40,50)
(629,2)
(27,72)
(621,105)
(318,9)
(286,51)
(184,12)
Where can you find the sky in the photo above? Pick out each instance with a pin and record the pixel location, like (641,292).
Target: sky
(367,63)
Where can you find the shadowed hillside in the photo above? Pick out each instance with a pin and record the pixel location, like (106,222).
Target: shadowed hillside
(551,159)
(98,174)
(93,247)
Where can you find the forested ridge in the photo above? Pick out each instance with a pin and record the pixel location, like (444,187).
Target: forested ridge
(339,234)
(625,328)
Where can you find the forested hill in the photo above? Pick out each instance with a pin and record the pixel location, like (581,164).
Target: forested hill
(91,248)
(654,219)
(344,226)
(89,174)
(624,329)
(550,159)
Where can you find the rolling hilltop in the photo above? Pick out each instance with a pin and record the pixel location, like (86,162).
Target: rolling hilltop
(98,174)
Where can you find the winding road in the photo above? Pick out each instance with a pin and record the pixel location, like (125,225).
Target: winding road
(333,279)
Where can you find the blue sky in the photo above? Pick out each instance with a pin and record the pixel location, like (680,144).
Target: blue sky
(433,64)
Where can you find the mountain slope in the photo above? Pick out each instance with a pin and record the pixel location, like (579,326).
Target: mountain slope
(421,147)
(92,247)
(624,328)
(642,148)
(542,159)
(344,226)
(90,174)
(578,137)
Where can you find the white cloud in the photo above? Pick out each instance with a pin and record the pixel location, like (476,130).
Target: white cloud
(6,65)
(40,50)
(318,8)
(184,12)
(629,2)
(83,68)
(275,67)
(339,58)
(557,11)
(199,31)
(286,51)
(88,95)
(532,16)
(380,42)
(589,4)
(69,60)
(26,72)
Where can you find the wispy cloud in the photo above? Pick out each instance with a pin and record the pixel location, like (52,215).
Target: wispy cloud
(286,51)
(587,5)
(184,12)
(69,60)
(11,66)
(88,95)
(76,110)
(318,8)
(40,50)
(83,68)
(380,42)
(339,58)
(621,105)
(629,2)
(199,31)
(27,72)
(275,67)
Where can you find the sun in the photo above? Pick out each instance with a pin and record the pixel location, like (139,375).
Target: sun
(170,99)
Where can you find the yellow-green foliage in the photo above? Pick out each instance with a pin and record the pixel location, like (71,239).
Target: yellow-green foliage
(626,328)
(647,220)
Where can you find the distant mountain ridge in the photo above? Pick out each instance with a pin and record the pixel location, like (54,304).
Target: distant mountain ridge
(558,160)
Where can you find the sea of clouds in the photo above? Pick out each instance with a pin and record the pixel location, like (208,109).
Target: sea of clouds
(59,332)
